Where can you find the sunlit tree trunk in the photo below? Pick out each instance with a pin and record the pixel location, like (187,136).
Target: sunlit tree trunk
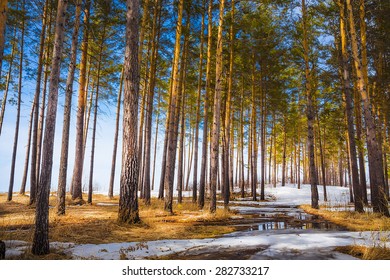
(309,112)
(216,113)
(173,121)
(375,162)
(357,191)
(149,110)
(228,114)
(128,198)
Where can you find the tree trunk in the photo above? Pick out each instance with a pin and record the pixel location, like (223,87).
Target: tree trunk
(375,162)
(216,113)
(16,137)
(202,180)
(309,113)
(148,126)
(284,155)
(200,86)
(8,80)
(228,114)
(115,148)
(357,191)
(242,179)
(254,135)
(128,201)
(41,123)
(322,158)
(61,192)
(34,148)
(360,147)
(28,147)
(274,178)
(173,121)
(3,23)
(263,140)
(181,151)
(81,103)
(156,137)
(90,185)
(40,245)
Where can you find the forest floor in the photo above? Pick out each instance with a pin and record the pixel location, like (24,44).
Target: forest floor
(278,228)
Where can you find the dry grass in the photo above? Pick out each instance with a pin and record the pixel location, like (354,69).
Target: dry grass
(352,220)
(97,223)
(365,253)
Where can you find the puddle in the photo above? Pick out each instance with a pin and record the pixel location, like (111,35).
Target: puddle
(282,225)
(280,217)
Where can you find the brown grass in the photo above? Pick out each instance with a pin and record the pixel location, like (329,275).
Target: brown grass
(365,253)
(98,224)
(352,220)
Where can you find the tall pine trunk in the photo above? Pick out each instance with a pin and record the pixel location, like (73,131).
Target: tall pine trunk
(215,132)
(200,86)
(349,111)
(81,104)
(115,148)
(61,192)
(149,110)
(34,147)
(40,245)
(309,112)
(203,171)
(28,148)
(375,162)
(173,116)
(128,200)
(19,101)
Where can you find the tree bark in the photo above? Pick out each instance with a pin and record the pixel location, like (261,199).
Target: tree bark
(375,162)
(309,113)
(200,86)
(149,110)
(81,103)
(34,148)
(216,113)
(28,148)
(115,148)
(173,121)
(61,192)
(128,200)
(322,158)
(40,245)
(357,191)
(254,135)
(202,180)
